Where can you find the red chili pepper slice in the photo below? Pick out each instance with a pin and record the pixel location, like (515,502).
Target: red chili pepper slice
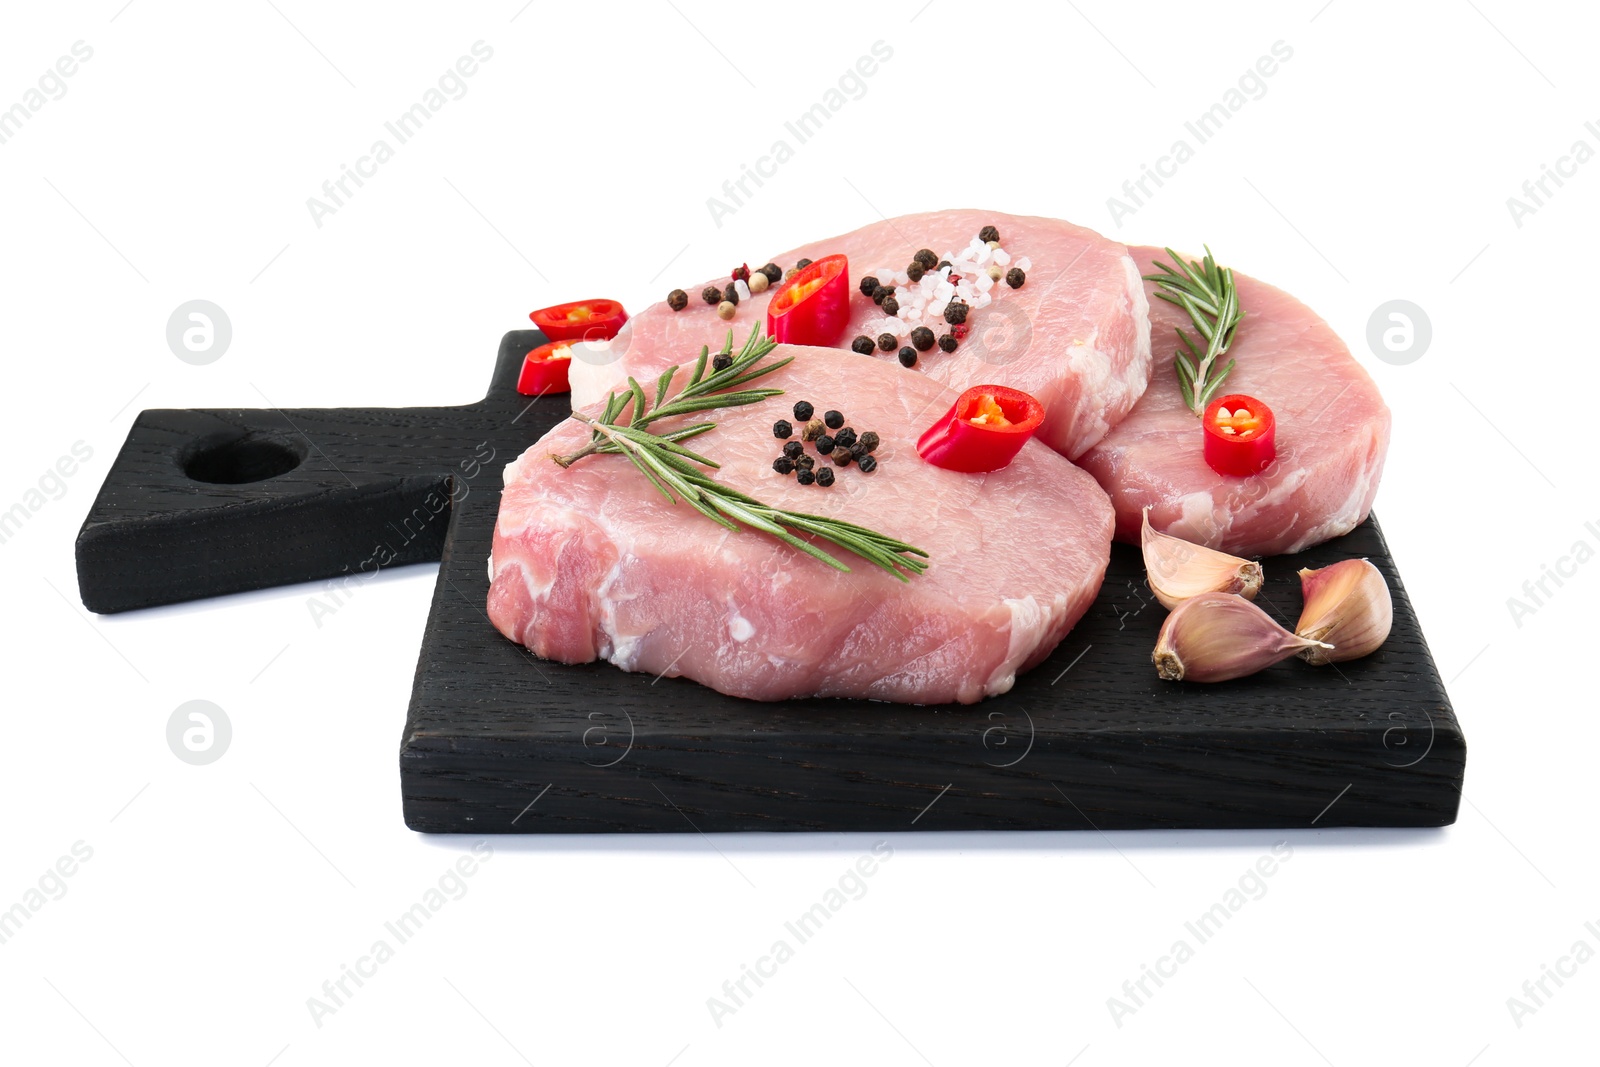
(1239,433)
(983,430)
(581,320)
(813,307)
(544,369)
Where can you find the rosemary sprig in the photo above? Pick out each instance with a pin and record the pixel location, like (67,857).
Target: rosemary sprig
(670,466)
(1207,293)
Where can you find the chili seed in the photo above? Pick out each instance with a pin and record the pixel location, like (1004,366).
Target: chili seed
(726,310)
(782,429)
(711,295)
(677,300)
(922,337)
(731,293)
(1015,277)
(805,477)
(758,282)
(988,233)
(824,477)
(868,464)
(908,356)
(869,441)
(773,272)
(802,411)
(722,361)
(802,264)
(862,344)
(813,428)
(824,444)
(793,449)
(869,285)
(948,343)
(915,272)
(891,306)
(833,419)
(926,257)
(886,342)
(844,438)
(783,465)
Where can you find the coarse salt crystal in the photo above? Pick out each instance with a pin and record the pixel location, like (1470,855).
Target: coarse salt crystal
(1024,263)
(742,289)
(1001,256)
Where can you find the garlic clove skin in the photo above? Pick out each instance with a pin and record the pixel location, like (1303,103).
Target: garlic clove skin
(1177,570)
(1215,637)
(1348,606)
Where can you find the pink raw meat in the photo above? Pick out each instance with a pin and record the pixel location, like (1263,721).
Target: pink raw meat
(1332,434)
(590,562)
(1075,335)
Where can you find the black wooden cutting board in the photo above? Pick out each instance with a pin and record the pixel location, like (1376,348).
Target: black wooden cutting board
(201,503)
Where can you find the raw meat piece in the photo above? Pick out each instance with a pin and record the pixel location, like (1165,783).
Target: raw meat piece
(590,562)
(1076,334)
(1333,433)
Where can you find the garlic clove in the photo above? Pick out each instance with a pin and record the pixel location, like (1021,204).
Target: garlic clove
(1177,569)
(1347,605)
(1214,637)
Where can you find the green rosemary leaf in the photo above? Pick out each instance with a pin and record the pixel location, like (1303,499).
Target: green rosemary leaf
(1206,293)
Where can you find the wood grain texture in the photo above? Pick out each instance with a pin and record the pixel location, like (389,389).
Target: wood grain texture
(497,741)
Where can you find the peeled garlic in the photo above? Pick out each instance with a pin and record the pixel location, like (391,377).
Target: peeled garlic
(1178,570)
(1347,604)
(1217,636)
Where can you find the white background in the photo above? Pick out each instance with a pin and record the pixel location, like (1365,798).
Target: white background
(219,898)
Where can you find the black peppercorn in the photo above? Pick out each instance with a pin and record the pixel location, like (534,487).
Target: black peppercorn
(824,477)
(721,361)
(988,233)
(677,300)
(802,264)
(802,411)
(886,342)
(782,429)
(926,257)
(862,344)
(833,419)
(908,356)
(711,295)
(858,450)
(844,438)
(943,263)
(805,477)
(868,441)
(731,294)
(841,457)
(891,306)
(824,444)
(773,272)
(868,464)
(793,449)
(915,272)
(948,343)
(869,285)
(880,294)
(1015,277)
(804,463)
(955,312)
(922,337)
(783,465)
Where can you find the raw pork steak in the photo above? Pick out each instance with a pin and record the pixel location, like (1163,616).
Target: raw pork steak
(590,562)
(1076,335)
(1333,433)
